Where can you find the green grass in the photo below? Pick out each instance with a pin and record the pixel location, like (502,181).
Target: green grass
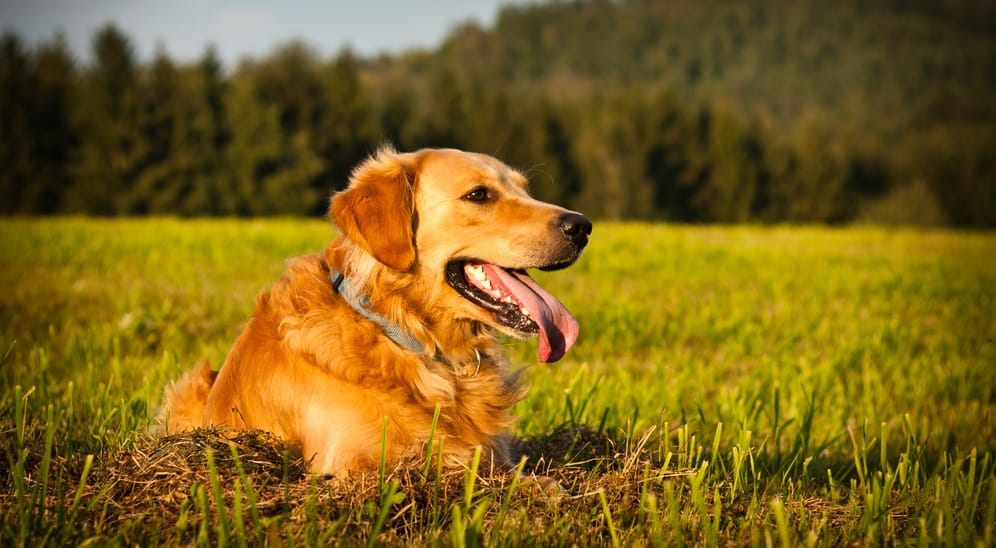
(763,386)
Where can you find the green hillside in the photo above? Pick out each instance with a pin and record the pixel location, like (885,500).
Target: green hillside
(711,111)
(886,67)
(900,93)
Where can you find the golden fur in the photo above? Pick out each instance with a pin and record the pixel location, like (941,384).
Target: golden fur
(311,370)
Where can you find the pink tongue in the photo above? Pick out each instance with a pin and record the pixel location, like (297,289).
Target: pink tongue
(558,329)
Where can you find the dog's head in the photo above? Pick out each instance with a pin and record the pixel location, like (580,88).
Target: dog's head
(466,222)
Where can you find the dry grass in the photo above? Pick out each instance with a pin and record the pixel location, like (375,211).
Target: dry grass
(156,484)
(155,477)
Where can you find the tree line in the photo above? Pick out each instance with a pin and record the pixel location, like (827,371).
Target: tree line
(611,108)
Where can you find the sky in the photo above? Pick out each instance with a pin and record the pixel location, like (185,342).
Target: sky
(238,28)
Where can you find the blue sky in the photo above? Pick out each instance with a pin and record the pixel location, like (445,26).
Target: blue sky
(238,28)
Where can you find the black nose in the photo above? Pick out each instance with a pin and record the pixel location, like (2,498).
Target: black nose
(576,226)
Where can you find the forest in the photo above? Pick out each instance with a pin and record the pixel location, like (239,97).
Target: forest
(685,111)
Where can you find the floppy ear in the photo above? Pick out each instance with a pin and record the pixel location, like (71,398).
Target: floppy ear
(377,209)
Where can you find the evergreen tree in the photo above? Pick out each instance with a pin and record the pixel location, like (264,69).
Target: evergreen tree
(558,163)
(442,118)
(208,136)
(110,156)
(342,135)
(670,147)
(271,172)
(730,177)
(616,184)
(186,133)
(814,185)
(55,89)
(160,185)
(289,79)
(16,132)
(395,117)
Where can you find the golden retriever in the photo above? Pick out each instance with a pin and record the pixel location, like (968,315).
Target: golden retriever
(396,317)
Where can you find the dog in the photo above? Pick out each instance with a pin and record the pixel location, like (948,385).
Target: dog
(390,333)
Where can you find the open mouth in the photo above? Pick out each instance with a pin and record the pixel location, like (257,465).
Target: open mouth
(517,302)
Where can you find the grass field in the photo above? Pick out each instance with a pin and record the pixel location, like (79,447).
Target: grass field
(761,386)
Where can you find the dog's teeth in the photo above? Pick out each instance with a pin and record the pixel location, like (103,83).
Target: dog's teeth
(523,311)
(486,284)
(476,272)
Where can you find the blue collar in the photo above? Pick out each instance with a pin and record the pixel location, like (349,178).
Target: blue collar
(398,334)
(361,304)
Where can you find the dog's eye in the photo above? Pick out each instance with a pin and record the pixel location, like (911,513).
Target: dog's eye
(479,195)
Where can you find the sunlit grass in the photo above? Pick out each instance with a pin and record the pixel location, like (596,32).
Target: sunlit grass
(760,386)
